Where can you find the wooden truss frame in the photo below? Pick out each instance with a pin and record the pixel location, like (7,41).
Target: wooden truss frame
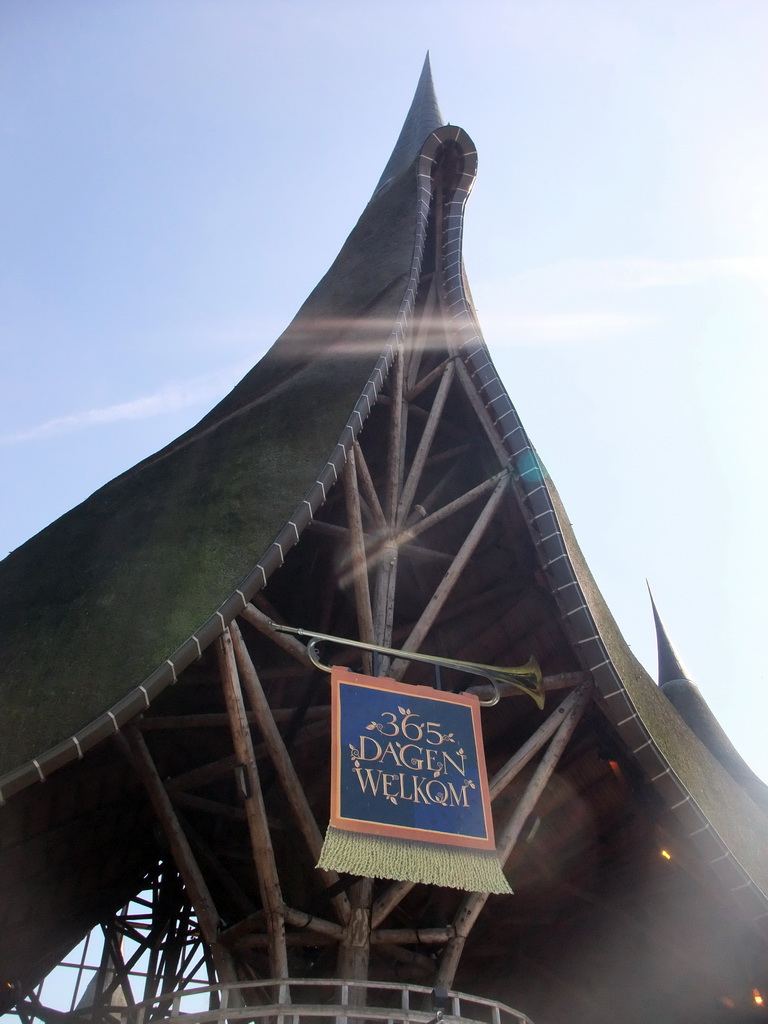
(382,515)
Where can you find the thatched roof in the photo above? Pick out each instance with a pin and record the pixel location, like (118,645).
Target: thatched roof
(94,604)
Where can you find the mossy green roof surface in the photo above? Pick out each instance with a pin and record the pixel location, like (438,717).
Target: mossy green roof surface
(735,817)
(96,601)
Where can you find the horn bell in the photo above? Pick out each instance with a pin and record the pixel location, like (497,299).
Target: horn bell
(526,678)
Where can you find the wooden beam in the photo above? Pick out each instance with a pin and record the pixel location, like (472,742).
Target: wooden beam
(309,922)
(414,960)
(450,579)
(388,900)
(425,326)
(428,379)
(532,745)
(258,828)
(203,775)
(358,558)
(386,584)
(396,444)
(260,621)
(355,948)
(202,803)
(368,489)
(412,936)
(217,870)
(474,902)
(286,773)
(208,919)
(452,507)
(258,940)
(425,443)
(232,935)
(482,413)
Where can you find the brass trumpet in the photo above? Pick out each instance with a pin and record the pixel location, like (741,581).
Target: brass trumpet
(526,678)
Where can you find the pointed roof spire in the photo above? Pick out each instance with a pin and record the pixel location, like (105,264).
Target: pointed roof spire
(684,695)
(670,665)
(423,118)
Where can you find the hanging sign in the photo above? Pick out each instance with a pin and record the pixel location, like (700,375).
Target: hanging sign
(409,791)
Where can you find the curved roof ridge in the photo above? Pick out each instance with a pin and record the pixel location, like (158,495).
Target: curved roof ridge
(422,119)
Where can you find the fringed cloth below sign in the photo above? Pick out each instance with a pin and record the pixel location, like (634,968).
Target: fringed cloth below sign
(408,860)
(409,791)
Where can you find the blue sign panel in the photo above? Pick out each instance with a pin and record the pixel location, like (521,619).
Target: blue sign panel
(408,761)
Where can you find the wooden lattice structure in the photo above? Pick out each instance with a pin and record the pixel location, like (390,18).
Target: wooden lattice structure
(165,783)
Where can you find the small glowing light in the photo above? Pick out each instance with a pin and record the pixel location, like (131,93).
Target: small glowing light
(727,1001)
(757,997)
(666,854)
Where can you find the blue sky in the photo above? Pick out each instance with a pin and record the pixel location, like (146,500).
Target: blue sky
(176,175)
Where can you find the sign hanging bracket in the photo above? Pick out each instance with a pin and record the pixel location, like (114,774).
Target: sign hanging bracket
(526,678)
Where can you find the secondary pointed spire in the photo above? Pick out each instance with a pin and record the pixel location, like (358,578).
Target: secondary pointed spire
(670,665)
(680,690)
(423,118)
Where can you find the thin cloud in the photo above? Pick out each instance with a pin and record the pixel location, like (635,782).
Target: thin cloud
(172,398)
(558,328)
(581,276)
(582,300)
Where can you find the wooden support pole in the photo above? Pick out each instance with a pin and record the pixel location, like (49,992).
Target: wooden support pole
(428,379)
(288,643)
(301,919)
(286,773)
(215,869)
(482,413)
(386,583)
(197,890)
(368,489)
(358,556)
(532,745)
(388,900)
(448,581)
(215,807)
(355,948)
(386,576)
(400,955)
(425,443)
(434,498)
(203,775)
(258,828)
(412,936)
(396,446)
(258,940)
(474,902)
(426,326)
(451,508)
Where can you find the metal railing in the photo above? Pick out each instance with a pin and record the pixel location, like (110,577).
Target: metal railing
(314,1001)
